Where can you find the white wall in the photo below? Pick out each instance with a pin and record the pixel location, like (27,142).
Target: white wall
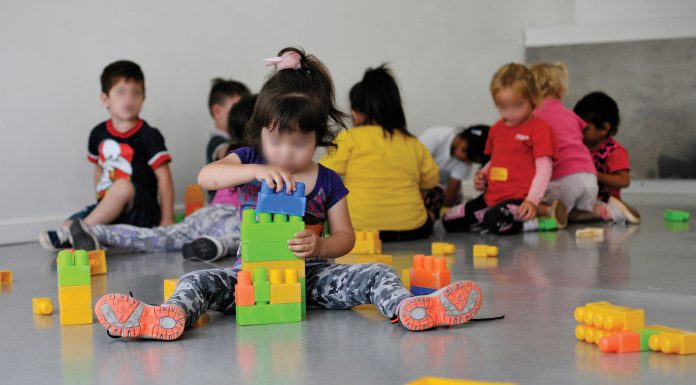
(443,52)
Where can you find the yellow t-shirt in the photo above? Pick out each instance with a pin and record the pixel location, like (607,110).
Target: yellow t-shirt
(384,175)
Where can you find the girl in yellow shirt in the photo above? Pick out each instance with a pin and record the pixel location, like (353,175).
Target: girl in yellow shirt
(388,171)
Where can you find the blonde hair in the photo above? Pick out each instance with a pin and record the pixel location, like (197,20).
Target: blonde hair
(552,79)
(517,77)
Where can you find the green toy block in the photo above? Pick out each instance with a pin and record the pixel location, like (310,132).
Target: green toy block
(73,268)
(645,337)
(676,215)
(263,314)
(269,227)
(304,297)
(262,288)
(267,252)
(547,224)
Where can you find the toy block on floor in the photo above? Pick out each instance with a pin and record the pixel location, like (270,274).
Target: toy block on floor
(262,314)
(429,274)
(76,314)
(442,248)
(591,334)
(97,262)
(676,215)
(627,342)
(547,224)
(74,295)
(5,277)
(169,285)
(451,381)
(270,201)
(42,306)
(74,287)
(485,251)
(672,341)
(73,268)
(367,242)
(194,199)
(589,232)
(264,297)
(610,317)
(266,239)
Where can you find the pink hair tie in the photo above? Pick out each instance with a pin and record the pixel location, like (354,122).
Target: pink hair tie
(289,59)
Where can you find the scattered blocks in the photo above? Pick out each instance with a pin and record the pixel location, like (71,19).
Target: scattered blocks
(428,274)
(5,277)
(42,306)
(442,248)
(547,224)
(485,251)
(270,201)
(590,232)
(672,341)
(367,242)
(266,239)
(676,215)
(74,287)
(450,381)
(97,262)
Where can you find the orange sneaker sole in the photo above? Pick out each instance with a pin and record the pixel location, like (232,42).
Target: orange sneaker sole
(125,316)
(454,304)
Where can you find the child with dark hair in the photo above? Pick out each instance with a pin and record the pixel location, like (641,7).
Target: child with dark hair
(454,149)
(385,167)
(130,158)
(223,95)
(610,158)
(294,114)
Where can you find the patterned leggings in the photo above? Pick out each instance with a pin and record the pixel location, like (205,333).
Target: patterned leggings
(476,215)
(329,286)
(218,221)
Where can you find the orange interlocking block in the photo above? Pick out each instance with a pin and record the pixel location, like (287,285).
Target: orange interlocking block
(430,272)
(623,342)
(244,290)
(97,262)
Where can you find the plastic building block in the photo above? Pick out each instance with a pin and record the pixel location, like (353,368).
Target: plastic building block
(627,342)
(74,295)
(73,268)
(244,290)
(589,232)
(76,314)
(262,287)
(591,334)
(485,251)
(451,381)
(442,248)
(194,199)
(42,305)
(415,290)
(267,238)
(270,201)
(169,286)
(5,276)
(367,242)
(429,272)
(610,317)
(406,277)
(676,215)
(97,262)
(262,314)
(672,341)
(285,288)
(547,224)
(298,264)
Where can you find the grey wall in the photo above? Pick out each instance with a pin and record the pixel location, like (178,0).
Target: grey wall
(654,83)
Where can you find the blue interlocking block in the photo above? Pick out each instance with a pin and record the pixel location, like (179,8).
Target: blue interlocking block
(415,290)
(274,202)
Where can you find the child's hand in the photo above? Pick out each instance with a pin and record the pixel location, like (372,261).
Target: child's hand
(480,181)
(527,211)
(304,244)
(275,178)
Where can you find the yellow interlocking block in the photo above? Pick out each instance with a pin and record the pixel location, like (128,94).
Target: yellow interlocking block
(485,251)
(298,265)
(42,305)
(76,315)
(169,286)
(451,381)
(672,341)
(75,295)
(285,288)
(97,262)
(442,248)
(406,278)
(610,317)
(590,334)
(367,242)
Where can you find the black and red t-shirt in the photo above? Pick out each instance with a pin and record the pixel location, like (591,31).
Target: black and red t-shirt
(610,158)
(133,154)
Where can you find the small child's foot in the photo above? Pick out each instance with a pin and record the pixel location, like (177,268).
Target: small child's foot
(559,212)
(454,304)
(125,316)
(53,240)
(82,239)
(623,211)
(205,248)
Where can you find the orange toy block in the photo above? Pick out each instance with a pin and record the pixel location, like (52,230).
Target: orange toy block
(430,272)
(286,290)
(194,199)
(42,305)
(485,251)
(590,334)
(442,248)
(97,262)
(244,290)
(169,286)
(623,342)
(672,341)
(610,317)
(5,276)
(367,242)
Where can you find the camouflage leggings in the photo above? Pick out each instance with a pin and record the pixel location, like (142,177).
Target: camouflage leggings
(218,221)
(329,286)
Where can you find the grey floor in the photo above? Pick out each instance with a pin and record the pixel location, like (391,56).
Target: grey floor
(536,282)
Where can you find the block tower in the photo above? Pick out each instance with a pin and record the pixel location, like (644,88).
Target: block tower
(74,288)
(428,274)
(271,285)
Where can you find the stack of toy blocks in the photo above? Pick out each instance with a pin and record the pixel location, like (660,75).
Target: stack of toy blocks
(74,288)
(367,242)
(428,274)
(271,286)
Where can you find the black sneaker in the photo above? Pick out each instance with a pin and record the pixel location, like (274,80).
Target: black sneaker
(82,239)
(205,248)
(53,240)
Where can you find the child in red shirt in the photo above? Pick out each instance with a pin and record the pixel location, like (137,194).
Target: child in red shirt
(522,148)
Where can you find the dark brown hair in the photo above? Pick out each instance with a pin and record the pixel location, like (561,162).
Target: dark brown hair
(298,100)
(223,89)
(377,97)
(121,70)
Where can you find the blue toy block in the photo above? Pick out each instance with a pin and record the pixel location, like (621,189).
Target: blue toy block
(415,290)
(270,201)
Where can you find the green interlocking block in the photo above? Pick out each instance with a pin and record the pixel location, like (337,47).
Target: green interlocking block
(645,337)
(267,252)
(267,239)
(547,224)
(263,314)
(73,269)
(676,215)
(304,297)
(262,288)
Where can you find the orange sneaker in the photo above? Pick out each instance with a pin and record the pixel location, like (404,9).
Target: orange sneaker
(125,316)
(454,304)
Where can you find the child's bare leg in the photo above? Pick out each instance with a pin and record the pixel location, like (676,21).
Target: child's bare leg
(118,199)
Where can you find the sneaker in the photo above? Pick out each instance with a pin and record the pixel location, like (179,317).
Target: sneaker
(125,316)
(454,304)
(626,211)
(82,239)
(559,212)
(53,240)
(205,248)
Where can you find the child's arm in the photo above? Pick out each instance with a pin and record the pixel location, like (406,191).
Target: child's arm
(618,179)
(230,172)
(97,174)
(307,244)
(452,192)
(542,176)
(165,186)
(481,176)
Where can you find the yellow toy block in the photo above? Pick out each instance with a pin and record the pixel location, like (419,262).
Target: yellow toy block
(590,232)
(406,278)
(298,265)
(76,315)
(442,248)
(42,305)
(610,317)
(5,276)
(286,290)
(451,381)
(672,341)
(74,295)
(97,262)
(590,334)
(485,251)
(367,242)
(169,286)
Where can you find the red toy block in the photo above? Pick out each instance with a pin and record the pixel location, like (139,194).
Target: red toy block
(430,272)
(623,342)
(244,290)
